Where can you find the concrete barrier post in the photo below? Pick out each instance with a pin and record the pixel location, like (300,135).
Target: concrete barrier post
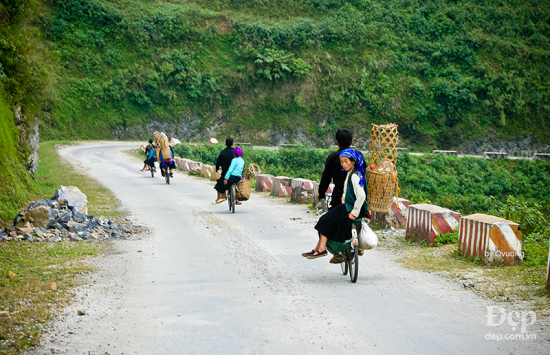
(302,189)
(264,182)
(548,270)
(492,239)
(397,217)
(195,167)
(207,171)
(281,186)
(425,222)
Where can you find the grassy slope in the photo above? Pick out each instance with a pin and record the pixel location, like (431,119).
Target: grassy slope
(444,71)
(14,180)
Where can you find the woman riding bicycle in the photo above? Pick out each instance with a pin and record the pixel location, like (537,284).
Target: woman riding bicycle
(150,154)
(235,172)
(334,227)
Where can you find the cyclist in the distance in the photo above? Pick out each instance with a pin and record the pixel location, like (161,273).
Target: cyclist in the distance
(235,172)
(222,163)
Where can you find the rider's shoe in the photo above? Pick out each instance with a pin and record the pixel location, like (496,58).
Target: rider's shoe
(308,253)
(317,254)
(337,259)
(238,203)
(218,201)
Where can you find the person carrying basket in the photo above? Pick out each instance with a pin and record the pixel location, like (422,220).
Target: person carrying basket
(335,226)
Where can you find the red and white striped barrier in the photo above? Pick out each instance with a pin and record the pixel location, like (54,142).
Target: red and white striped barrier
(492,239)
(195,167)
(425,221)
(183,164)
(397,218)
(281,186)
(207,171)
(302,189)
(316,192)
(264,182)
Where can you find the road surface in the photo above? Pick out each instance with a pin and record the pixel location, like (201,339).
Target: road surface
(206,281)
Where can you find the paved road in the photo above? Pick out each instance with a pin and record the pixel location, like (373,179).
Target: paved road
(208,281)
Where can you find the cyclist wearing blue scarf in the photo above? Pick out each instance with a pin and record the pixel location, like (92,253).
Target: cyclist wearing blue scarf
(334,227)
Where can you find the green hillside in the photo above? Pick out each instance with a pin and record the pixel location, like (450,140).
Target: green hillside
(445,71)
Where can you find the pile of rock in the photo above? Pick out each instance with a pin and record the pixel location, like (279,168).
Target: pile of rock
(64,217)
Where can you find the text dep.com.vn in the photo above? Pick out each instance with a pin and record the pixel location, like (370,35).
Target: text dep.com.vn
(518,322)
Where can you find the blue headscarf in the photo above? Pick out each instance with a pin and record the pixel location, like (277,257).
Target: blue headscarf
(359,163)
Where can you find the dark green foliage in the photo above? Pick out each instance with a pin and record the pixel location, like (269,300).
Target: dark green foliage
(466,184)
(444,71)
(301,161)
(446,238)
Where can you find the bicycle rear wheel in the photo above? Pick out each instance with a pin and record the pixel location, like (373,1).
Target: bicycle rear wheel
(344,267)
(233,197)
(152,172)
(167,176)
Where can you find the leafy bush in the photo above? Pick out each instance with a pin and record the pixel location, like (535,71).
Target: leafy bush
(446,238)
(275,64)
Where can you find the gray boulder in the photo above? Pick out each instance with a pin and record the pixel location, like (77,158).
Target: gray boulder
(75,198)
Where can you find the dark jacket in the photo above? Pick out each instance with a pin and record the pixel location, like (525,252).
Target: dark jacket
(224,160)
(333,171)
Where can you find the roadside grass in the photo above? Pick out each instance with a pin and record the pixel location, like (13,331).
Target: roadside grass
(24,303)
(54,171)
(515,285)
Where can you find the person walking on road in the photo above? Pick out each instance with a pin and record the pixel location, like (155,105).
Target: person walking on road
(222,164)
(333,169)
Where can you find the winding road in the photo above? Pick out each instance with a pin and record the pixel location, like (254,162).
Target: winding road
(206,281)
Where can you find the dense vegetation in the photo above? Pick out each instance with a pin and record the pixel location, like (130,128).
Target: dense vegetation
(23,77)
(445,71)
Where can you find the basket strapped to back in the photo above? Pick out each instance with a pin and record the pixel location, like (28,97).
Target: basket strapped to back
(381,167)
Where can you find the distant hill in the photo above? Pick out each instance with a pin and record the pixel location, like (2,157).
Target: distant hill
(275,71)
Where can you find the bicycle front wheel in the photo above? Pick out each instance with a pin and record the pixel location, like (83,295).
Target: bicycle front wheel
(353,261)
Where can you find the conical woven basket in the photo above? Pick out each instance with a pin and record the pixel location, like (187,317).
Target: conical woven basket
(382,183)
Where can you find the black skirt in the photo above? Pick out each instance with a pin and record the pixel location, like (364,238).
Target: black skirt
(335,224)
(150,162)
(222,188)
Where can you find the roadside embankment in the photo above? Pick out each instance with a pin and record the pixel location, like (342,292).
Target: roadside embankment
(39,264)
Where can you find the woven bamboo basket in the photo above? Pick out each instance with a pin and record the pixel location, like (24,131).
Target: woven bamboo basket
(381,167)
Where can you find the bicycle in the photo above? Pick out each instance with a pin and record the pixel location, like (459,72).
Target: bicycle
(351,262)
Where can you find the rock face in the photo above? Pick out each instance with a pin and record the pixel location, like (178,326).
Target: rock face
(524,147)
(190,128)
(28,135)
